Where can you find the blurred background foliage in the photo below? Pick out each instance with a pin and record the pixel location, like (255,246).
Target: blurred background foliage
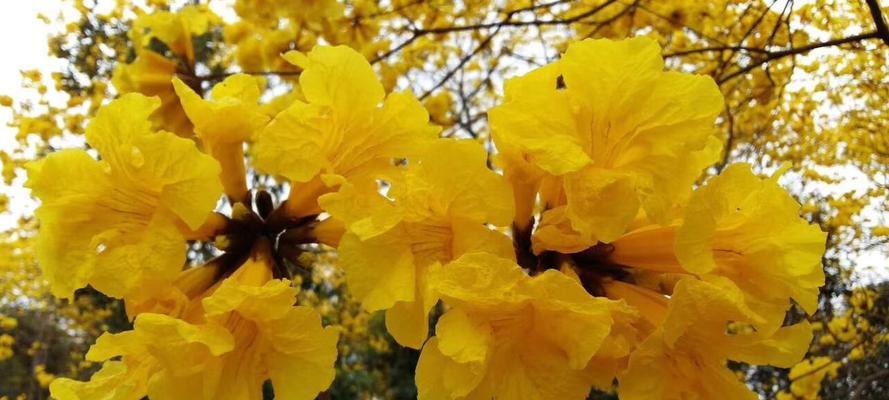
(806,83)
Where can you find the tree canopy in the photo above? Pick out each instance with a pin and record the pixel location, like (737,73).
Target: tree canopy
(198,162)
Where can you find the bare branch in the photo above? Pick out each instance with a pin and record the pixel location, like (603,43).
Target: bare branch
(882,29)
(771,56)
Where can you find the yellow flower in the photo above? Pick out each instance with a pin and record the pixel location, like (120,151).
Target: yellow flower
(881,230)
(225,123)
(6,343)
(749,230)
(175,30)
(234,337)
(511,336)
(273,340)
(309,11)
(151,74)
(436,213)
(115,223)
(43,378)
(685,357)
(159,353)
(610,131)
(806,376)
(738,230)
(341,133)
(8,323)
(439,107)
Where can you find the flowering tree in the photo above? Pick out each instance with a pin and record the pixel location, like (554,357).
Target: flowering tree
(543,199)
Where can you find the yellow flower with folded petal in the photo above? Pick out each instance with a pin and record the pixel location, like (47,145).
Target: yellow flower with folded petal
(341,132)
(154,68)
(224,124)
(508,335)
(609,131)
(176,30)
(273,340)
(738,230)
(749,230)
(435,214)
(151,74)
(115,223)
(685,358)
(160,353)
(230,339)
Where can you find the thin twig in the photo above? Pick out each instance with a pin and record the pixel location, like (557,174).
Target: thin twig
(771,56)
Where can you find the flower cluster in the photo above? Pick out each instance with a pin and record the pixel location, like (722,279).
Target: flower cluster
(590,259)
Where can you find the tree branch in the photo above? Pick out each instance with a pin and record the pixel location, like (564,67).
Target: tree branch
(771,56)
(882,29)
(503,23)
(715,49)
(481,46)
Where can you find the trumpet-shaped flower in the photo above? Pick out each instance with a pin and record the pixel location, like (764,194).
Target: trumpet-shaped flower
(341,133)
(162,357)
(685,358)
(273,340)
(224,124)
(114,223)
(508,335)
(738,230)
(176,30)
(614,130)
(749,230)
(151,74)
(230,340)
(435,214)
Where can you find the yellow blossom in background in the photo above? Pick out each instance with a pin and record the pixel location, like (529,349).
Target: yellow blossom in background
(439,107)
(43,378)
(807,377)
(8,323)
(6,343)
(152,72)
(159,354)
(174,29)
(114,223)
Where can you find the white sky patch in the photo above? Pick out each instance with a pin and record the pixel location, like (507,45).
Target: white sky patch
(23,41)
